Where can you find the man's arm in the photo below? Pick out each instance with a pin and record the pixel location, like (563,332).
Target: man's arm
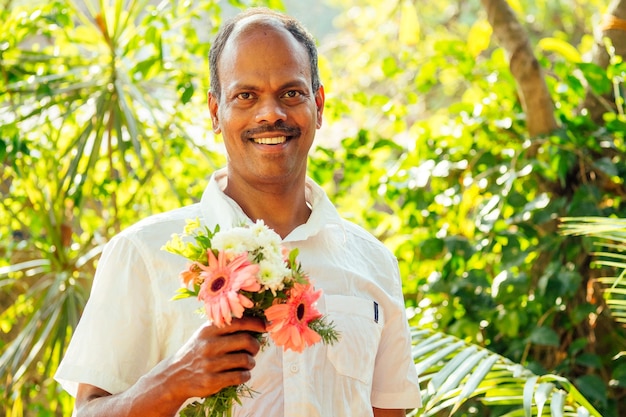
(211,360)
(385,412)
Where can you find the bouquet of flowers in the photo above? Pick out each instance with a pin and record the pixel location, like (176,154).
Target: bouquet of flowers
(246,271)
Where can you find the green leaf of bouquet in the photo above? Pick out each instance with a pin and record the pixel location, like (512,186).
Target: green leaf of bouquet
(184,293)
(326,330)
(292,256)
(203,241)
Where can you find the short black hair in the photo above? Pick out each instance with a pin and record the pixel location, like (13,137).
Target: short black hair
(291,24)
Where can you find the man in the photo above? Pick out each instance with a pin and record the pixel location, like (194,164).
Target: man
(137,353)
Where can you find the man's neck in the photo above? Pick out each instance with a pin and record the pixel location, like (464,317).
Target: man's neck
(281,208)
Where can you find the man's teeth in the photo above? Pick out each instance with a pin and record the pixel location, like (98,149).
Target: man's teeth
(270,141)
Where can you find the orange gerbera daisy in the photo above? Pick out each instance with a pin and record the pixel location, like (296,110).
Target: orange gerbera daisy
(191,275)
(222,281)
(289,321)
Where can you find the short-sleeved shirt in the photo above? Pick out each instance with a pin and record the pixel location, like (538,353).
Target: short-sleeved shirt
(131,323)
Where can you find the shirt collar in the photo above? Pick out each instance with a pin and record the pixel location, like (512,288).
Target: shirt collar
(218,208)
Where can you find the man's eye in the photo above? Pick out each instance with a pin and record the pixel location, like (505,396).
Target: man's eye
(244,96)
(292,94)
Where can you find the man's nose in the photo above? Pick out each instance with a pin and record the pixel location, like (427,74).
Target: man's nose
(270,110)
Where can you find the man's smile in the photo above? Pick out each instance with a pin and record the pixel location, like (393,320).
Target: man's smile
(270,141)
(271,135)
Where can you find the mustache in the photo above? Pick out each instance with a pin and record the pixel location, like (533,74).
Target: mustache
(276,128)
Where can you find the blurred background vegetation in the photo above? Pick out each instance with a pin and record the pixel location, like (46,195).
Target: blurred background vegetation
(427,142)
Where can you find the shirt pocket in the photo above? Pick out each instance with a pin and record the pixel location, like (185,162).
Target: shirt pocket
(359,322)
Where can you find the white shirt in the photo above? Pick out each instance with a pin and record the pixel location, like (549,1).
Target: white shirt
(130,322)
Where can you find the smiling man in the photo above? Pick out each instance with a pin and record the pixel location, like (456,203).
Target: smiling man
(267,108)
(136,353)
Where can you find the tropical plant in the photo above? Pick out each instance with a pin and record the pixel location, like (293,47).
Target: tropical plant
(609,235)
(460,378)
(98,122)
(476,199)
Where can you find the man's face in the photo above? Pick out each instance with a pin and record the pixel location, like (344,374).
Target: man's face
(267,111)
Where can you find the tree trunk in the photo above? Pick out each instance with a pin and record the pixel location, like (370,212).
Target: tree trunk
(534,95)
(613,27)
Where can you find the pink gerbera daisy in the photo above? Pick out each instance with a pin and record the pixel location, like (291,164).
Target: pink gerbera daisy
(289,321)
(222,281)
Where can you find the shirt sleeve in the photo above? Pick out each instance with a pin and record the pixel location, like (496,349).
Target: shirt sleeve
(395,383)
(115,342)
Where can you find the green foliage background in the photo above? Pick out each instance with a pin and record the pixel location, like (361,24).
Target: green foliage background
(103,121)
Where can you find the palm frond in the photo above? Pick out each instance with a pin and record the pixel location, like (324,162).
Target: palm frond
(455,374)
(55,299)
(610,238)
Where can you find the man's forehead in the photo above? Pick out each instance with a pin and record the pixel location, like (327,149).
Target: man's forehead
(264,29)
(247,50)
(255,23)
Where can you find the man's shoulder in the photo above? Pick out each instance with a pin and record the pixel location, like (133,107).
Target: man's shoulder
(162,225)
(362,237)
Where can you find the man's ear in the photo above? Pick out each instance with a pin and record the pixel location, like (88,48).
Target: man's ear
(319,103)
(213,107)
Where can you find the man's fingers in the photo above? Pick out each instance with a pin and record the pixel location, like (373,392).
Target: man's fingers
(239,361)
(234,378)
(232,343)
(246,324)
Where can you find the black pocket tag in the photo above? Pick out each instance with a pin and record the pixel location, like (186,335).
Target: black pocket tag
(375,311)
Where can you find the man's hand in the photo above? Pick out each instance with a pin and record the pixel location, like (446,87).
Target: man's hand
(212,359)
(215,358)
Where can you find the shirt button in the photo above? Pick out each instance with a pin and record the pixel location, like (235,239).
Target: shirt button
(294,368)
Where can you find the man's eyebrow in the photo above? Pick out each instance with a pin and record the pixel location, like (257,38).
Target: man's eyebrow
(294,83)
(242,87)
(251,87)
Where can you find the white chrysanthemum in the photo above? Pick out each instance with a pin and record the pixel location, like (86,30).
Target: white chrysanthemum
(236,240)
(270,244)
(260,228)
(272,275)
(262,242)
(271,251)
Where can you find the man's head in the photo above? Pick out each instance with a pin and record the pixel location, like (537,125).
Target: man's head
(292,25)
(268,102)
